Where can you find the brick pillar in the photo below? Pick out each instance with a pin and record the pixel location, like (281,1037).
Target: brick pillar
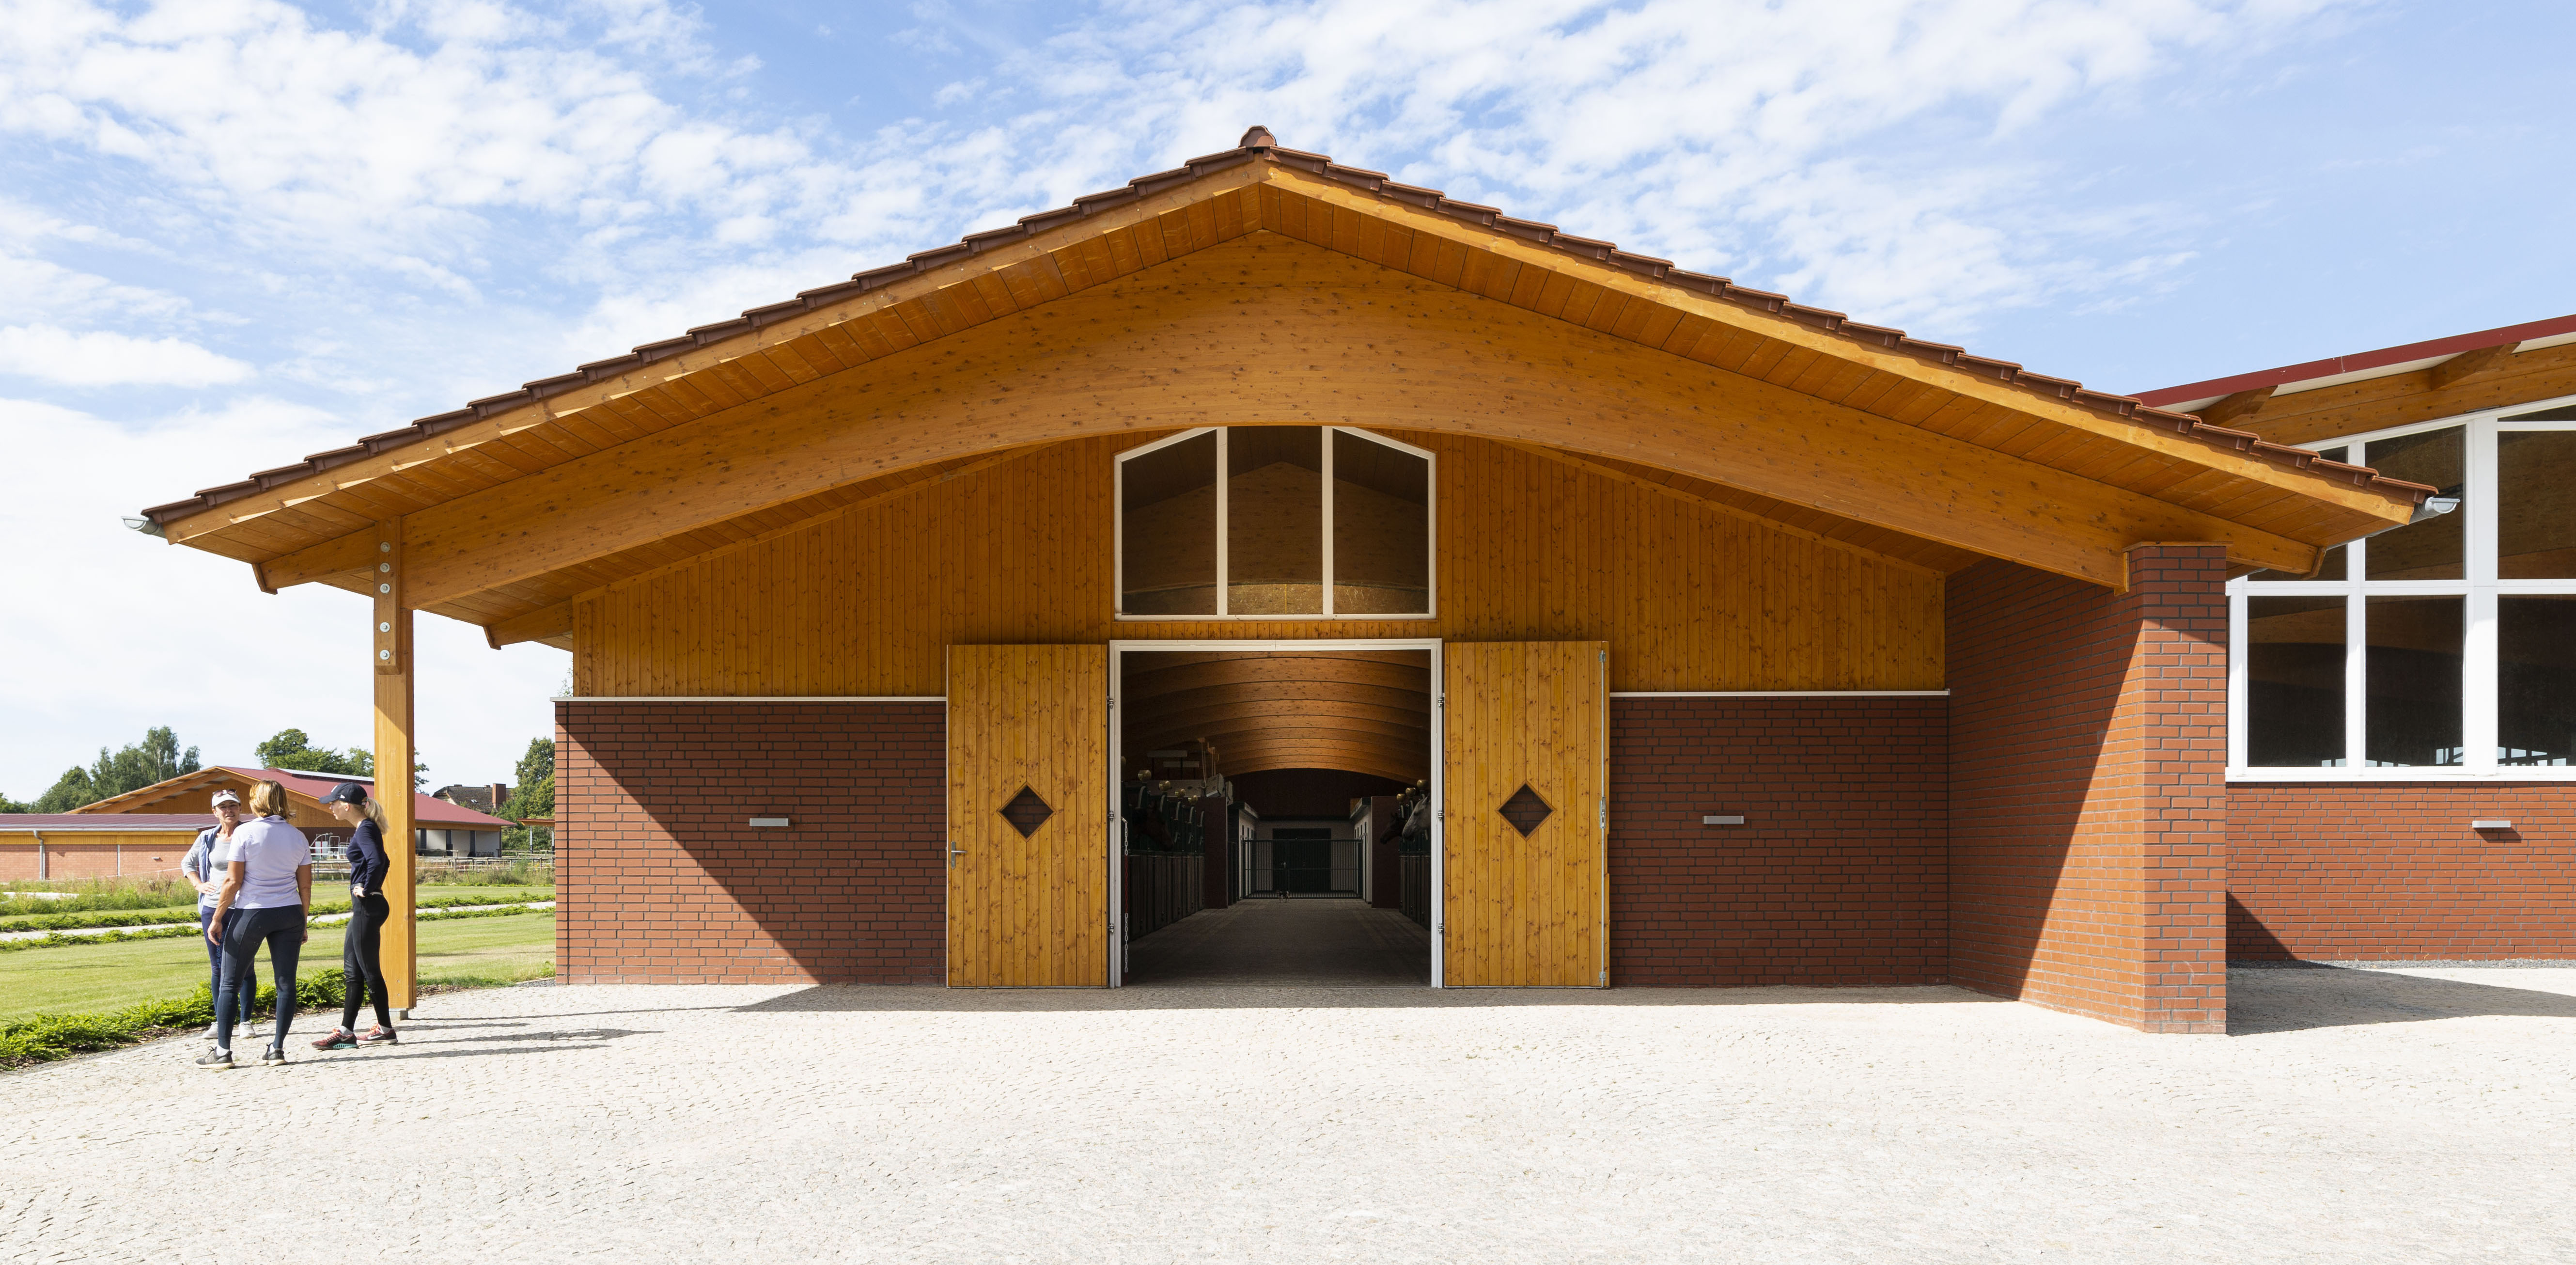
(2088,853)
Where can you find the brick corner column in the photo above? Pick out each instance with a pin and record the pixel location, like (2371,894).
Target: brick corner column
(2170,733)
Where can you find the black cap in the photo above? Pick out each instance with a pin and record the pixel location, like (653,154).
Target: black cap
(346,793)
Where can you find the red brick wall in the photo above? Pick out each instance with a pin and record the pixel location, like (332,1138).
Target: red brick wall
(2391,871)
(18,860)
(2088,806)
(1837,877)
(663,882)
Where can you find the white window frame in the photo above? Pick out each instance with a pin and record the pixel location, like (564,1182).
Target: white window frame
(1430,533)
(2478,659)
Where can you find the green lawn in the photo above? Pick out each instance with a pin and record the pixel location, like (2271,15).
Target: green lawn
(79,979)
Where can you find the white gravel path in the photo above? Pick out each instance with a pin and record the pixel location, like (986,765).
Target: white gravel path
(2365,1116)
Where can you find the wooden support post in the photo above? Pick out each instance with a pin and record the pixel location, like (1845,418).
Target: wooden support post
(394,758)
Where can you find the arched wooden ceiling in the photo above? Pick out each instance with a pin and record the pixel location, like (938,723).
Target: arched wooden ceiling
(1366,711)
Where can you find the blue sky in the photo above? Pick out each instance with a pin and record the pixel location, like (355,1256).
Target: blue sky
(233,233)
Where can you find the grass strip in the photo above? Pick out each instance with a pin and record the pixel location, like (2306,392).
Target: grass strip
(58,940)
(45,1038)
(188,916)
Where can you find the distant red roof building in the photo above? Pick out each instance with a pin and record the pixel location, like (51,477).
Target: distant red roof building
(307,789)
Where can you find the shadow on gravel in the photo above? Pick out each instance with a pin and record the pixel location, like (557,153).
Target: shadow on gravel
(2297,998)
(899,997)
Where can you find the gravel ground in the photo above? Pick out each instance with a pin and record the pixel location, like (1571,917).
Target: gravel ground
(2413,1116)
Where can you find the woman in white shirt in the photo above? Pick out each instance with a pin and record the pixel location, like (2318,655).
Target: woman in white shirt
(263,901)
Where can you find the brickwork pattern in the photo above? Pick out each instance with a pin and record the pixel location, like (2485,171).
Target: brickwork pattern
(1839,875)
(2392,872)
(2088,839)
(663,881)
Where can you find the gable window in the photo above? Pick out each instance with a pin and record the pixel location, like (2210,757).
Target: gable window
(1275,522)
(2438,649)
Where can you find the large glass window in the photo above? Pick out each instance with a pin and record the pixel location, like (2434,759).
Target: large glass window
(1167,528)
(2536,505)
(2413,665)
(1275,522)
(2446,647)
(1381,529)
(2536,681)
(2294,664)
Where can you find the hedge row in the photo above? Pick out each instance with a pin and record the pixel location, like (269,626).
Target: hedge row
(56,940)
(45,1038)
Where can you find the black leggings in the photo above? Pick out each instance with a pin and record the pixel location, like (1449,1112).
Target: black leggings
(362,972)
(282,928)
(215,967)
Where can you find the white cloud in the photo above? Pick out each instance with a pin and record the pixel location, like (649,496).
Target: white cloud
(111,632)
(102,358)
(430,202)
(1731,135)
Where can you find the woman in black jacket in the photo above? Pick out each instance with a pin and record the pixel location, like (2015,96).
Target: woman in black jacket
(362,974)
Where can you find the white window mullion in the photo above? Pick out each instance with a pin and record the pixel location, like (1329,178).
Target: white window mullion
(1118,536)
(2478,685)
(2238,679)
(2356,679)
(1223,527)
(2356,637)
(1329,434)
(2478,663)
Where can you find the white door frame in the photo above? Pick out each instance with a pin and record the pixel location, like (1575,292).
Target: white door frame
(1118,796)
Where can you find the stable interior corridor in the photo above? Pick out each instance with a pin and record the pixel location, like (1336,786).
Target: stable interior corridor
(1339,942)
(1275,826)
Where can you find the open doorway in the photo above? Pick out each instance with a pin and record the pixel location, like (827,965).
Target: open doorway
(1274,826)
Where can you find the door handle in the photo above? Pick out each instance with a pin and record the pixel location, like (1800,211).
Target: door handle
(954,852)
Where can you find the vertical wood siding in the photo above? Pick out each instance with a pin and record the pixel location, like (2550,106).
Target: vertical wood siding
(1525,911)
(1529,549)
(1033,911)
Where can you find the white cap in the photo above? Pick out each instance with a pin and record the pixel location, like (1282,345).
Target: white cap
(224,797)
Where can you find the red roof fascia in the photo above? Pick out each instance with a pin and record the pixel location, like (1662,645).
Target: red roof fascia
(2454,345)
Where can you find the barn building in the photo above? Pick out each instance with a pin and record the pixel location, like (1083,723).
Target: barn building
(1267,527)
(147,830)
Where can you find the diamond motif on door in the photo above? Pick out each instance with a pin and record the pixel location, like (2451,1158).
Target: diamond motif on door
(1525,810)
(1026,812)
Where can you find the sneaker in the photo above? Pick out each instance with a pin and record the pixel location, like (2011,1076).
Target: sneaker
(273,1056)
(340,1039)
(380,1035)
(215,1060)
(214,1030)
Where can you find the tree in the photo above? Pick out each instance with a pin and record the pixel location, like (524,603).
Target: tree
(155,759)
(533,797)
(69,791)
(294,749)
(538,765)
(130,768)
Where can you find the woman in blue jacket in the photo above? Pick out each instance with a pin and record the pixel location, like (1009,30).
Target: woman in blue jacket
(362,972)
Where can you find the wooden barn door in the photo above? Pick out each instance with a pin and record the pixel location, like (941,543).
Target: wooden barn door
(1028,816)
(1524,857)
